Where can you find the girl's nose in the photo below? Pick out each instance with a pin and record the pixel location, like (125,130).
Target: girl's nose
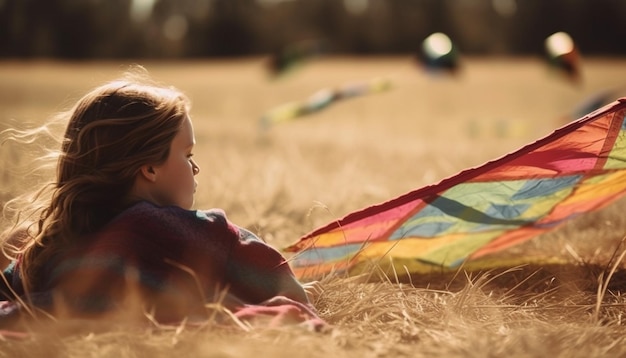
(195,168)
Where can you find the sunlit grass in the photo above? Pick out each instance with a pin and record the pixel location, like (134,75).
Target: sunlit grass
(287,181)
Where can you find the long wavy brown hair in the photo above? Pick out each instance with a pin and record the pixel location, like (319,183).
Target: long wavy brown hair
(112,131)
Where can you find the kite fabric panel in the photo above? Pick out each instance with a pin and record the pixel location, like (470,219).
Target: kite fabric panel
(578,168)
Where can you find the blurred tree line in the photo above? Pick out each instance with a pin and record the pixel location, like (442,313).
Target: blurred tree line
(78,29)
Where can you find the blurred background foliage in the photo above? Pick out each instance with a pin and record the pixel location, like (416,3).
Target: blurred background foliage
(84,29)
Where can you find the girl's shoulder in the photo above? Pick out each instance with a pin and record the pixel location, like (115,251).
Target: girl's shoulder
(146,211)
(212,215)
(147,217)
(218,216)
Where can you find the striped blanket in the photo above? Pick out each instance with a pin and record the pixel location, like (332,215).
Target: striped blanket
(170,263)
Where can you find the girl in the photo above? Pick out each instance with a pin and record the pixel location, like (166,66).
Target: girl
(117,233)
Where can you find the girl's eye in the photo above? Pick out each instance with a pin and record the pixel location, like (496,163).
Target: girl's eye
(189,155)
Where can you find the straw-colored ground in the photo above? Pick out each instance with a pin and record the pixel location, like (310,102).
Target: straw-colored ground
(286,181)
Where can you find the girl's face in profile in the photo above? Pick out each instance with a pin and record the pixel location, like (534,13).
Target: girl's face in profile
(175,184)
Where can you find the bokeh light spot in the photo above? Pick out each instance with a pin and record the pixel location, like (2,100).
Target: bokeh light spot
(270,2)
(141,10)
(437,45)
(504,8)
(175,28)
(356,7)
(559,44)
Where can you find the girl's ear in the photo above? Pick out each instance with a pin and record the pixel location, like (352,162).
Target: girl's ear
(148,172)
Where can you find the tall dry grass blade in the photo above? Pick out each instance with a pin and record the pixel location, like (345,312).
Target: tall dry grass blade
(217,305)
(190,272)
(408,275)
(456,273)
(314,242)
(603,286)
(246,327)
(573,253)
(223,293)
(382,274)
(613,254)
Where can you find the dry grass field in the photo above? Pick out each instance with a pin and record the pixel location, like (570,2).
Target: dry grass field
(287,180)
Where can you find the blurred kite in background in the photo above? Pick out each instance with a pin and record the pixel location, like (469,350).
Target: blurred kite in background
(594,101)
(322,99)
(438,54)
(579,168)
(563,55)
(287,58)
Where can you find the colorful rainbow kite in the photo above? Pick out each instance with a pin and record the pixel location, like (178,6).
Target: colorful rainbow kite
(578,168)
